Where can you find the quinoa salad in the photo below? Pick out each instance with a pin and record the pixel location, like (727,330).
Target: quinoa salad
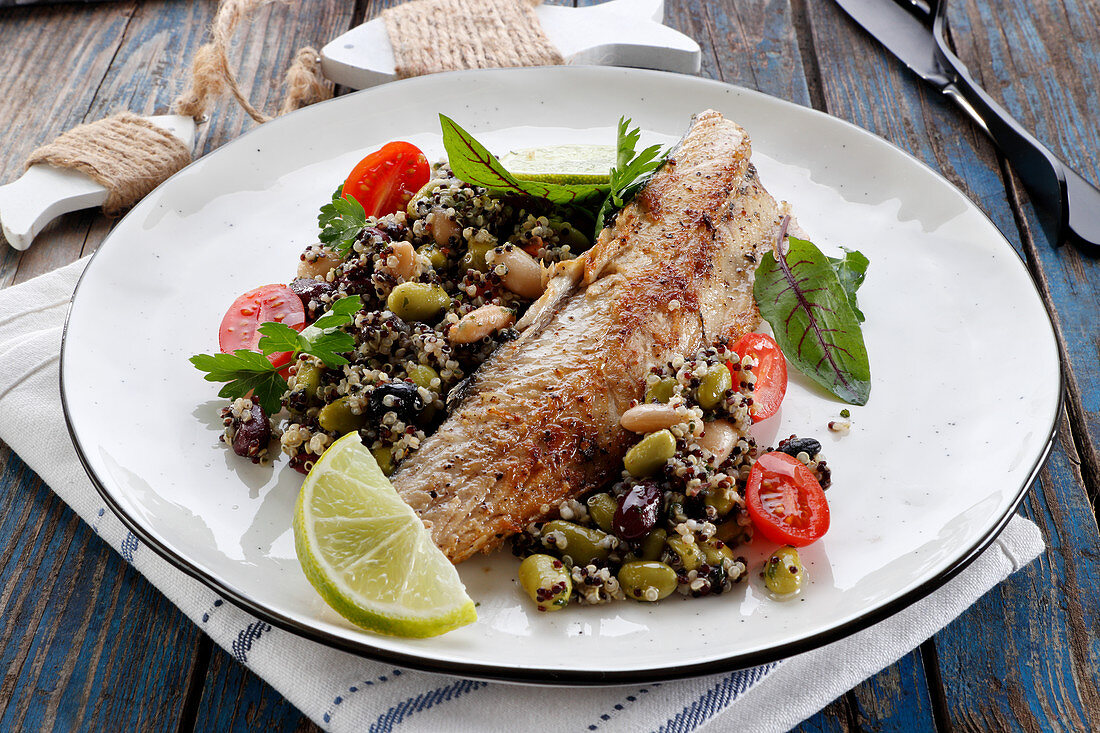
(414,286)
(434,285)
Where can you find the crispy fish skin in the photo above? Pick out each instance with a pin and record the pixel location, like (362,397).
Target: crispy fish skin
(540,421)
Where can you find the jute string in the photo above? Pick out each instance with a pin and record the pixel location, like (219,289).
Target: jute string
(211,75)
(130,156)
(126,154)
(429,36)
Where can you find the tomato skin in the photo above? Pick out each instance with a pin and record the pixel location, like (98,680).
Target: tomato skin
(266,303)
(786,503)
(384,181)
(771,373)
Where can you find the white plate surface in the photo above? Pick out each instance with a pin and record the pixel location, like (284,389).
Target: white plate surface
(965,368)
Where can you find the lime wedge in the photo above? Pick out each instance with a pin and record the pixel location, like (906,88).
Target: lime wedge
(562,163)
(368,554)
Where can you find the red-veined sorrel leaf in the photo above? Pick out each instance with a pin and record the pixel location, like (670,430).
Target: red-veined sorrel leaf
(801,296)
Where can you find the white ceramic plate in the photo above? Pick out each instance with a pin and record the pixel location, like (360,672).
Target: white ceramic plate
(965,392)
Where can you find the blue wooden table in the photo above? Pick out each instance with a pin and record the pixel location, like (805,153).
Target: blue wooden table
(86,643)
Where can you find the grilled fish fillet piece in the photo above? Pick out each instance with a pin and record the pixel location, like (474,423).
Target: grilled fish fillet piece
(539,423)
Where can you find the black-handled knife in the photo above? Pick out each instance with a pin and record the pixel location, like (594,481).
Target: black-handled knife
(1069,206)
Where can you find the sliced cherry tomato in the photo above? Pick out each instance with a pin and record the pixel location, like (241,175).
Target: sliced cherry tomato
(266,303)
(785,501)
(771,373)
(384,181)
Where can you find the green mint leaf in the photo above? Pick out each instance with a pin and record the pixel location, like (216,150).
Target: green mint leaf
(341,221)
(278,337)
(473,163)
(632,170)
(851,269)
(341,312)
(800,295)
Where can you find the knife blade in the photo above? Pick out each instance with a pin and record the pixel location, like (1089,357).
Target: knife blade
(1068,204)
(902,34)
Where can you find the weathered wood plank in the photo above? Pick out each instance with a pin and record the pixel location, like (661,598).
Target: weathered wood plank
(1042,60)
(1042,656)
(836,717)
(72,622)
(53,61)
(236,699)
(142,71)
(862,84)
(896,699)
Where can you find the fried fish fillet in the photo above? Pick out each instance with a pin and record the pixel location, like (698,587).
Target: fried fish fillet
(539,422)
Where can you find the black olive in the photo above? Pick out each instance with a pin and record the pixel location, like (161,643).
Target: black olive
(403,399)
(253,436)
(309,289)
(793,446)
(637,512)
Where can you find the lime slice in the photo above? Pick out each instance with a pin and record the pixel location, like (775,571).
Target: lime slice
(368,554)
(562,163)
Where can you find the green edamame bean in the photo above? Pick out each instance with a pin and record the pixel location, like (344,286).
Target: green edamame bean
(337,417)
(570,235)
(691,557)
(647,580)
(418,301)
(783,571)
(581,544)
(422,375)
(383,456)
(721,500)
(308,378)
(425,191)
(601,507)
(435,256)
(474,259)
(650,453)
(713,387)
(653,544)
(730,532)
(546,579)
(661,391)
(715,551)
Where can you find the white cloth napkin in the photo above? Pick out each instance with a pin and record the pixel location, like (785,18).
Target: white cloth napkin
(342,692)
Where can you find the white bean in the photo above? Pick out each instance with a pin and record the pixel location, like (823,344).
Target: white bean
(406,266)
(524,272)
(443,227)
(718,437)
(649,417)
(477,324)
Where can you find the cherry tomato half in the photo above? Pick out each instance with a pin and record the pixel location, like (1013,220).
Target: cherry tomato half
(771,373)
(384,181)
(266,303)
(785,501)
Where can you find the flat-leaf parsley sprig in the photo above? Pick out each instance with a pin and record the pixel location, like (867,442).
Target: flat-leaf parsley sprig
(246,372)
(631,171)
(341,221)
